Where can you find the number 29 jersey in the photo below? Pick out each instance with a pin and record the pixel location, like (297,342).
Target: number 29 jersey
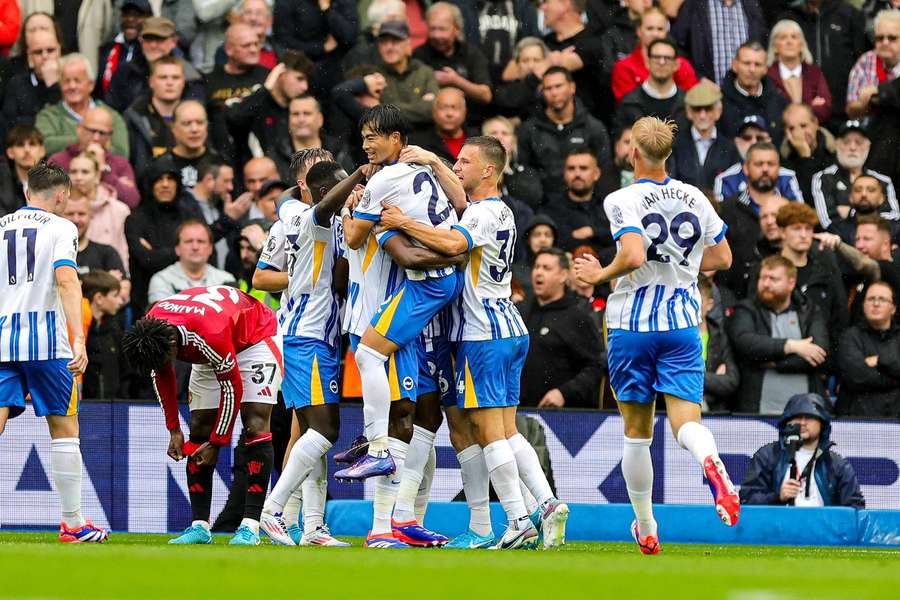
(676,222)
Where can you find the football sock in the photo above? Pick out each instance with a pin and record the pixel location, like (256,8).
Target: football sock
(698,440)
(531,504)
(476,485)
(386,489)
(260,456)
(251,524)
(199,480)
(203,524)
(376,397)
(315,491)
(421,505)
(530,470)
(291,511)
(637,469)
(306,452)
(420,447)
(501,464)
(65,468)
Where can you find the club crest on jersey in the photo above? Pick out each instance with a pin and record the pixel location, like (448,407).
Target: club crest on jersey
(407,384)
(618,219)
(270,244)
(333,386)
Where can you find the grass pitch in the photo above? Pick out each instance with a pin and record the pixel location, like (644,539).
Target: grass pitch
(35,565)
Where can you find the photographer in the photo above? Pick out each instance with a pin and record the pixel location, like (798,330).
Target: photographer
(800,469)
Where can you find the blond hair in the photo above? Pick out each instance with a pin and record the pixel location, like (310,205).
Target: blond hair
(653,138)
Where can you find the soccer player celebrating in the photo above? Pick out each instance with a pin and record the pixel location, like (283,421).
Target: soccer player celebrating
(493,340)
(667,232)
(43,296)
(231,340)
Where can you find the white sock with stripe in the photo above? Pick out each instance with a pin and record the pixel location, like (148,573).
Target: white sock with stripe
(315,492)
(477,487)
(420,447)
(637,469)
(530,469)
(308,450)
(376,390)
(65,469)
(501,464)
(425,487)
(386,488)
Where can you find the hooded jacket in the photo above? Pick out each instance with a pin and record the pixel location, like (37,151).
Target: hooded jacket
(832,473)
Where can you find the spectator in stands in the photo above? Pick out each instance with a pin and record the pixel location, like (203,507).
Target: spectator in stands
(108,213)
(249,246)
(83,29)
(540,233)
(620,38)
(722,377)
(361,90)
(305,122)
(257,171)
(546,138)
(213,18)
(812,475)
(563,366)
(770,241)
(873,241)
(807,148)
(519,181)
(58,121)
(496,26)
(833,30)
(733,180)
(365,51)
(26,93)
(92,256)
(868,358)
(701,152)
(149,117)
(516,91)
(190,129)
(193,249)
(455,62)
(24,149)
(780,341)
(158,39)
(215,184)
(94,135)
(256,14)
(410,83)
(875,67)
(621,172)
(658,95)
(747,92)
(709,34)
(831,186)
(792,72)
(101,379)
(867,198)
(126,46)
(578,211)
(630,72)
(267,201)
(448,134)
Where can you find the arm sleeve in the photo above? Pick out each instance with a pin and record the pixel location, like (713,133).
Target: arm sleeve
(165,388)
(272,256)
(478,228)
(65,246)
(378,190)
(232,391)
(343,21)
(621,214)
(714,227)
(848,491)
(853,368)
(149,260)
(757,487)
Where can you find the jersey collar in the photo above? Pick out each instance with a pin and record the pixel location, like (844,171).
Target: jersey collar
(32,208)
(653,181)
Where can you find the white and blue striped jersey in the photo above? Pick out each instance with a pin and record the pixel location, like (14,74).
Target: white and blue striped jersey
(415,191)
(32,322)
(373,277)
(676,222)
(309,307)
(484,310)
(272,255)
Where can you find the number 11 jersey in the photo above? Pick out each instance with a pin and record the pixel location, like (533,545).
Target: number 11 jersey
(676,222)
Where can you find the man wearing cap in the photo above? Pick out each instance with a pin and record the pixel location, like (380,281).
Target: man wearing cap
(700,151)
(130,80)
(126,45)
(806,474)
(831,186)
(746,91)
(411,84)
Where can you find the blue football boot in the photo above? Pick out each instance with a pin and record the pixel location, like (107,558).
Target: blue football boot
(367,466)
(195,534)
(471,541)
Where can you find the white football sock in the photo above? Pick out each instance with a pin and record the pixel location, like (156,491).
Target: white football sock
(65,469)
(637,469)
(376,397)
(308,450)
(698,440)
(425,487)
(315,492)
(203,524)
(386,488)
(501,464)
(420,447)
(253,524)
(530,470)
(476,485)
(291,511)
(531,504)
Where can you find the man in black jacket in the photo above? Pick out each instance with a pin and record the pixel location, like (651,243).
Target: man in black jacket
(812,475)
(658,96)
(563,367)
(149,116)
(779,339)
(721,379)
(747,91)
(807,148)
(27,93)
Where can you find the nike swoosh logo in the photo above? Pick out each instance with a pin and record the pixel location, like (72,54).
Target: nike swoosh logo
(395,482)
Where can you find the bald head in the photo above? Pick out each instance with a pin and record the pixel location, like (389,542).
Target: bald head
(242,46)
(449,111)
(257,171)
(190,128)
(95,128)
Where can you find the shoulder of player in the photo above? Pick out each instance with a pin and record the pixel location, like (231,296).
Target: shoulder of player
(390,172)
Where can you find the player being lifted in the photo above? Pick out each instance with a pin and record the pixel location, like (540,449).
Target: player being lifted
(667,232)
(41,296)
(493,341)
(231,340)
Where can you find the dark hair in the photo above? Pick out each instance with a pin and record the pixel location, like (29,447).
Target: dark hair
(98,282)
(666,41)
(323,174)
(308,96)
(167,59)
(147,346)
(557,69)
(876,220)
(385,119)
(210,166)
(560,254)
(301,158)
(22,133)
(491,149)
(360,71)
(45,176)
(750,45)
(581,151)
(294,60)
(762,146)
(191,223)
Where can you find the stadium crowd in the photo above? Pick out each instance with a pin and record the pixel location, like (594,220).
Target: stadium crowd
(179,123)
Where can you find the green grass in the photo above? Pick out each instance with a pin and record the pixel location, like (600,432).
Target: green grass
(35,565)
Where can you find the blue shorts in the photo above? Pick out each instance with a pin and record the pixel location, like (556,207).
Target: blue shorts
(644,363)
(436,369)
(52,387)
(311,370)
(488,373)
(402,370)
(404,315)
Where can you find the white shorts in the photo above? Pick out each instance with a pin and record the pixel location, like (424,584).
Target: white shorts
(262,370)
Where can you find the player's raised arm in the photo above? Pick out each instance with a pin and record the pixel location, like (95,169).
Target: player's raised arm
(629,257)
(70,293)
(410,256)
(358,223)
(446,178)
(270,275)
(449,242)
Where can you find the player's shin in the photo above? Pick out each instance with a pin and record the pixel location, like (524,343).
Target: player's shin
(65,468)
(413,471)
(260,457)
(199,480)
(698,440)
(637,469)
(476,485)
(303,458)
(424,493)
(315,491)
(530,469)
(376,397)
(386,488)
(501,464)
